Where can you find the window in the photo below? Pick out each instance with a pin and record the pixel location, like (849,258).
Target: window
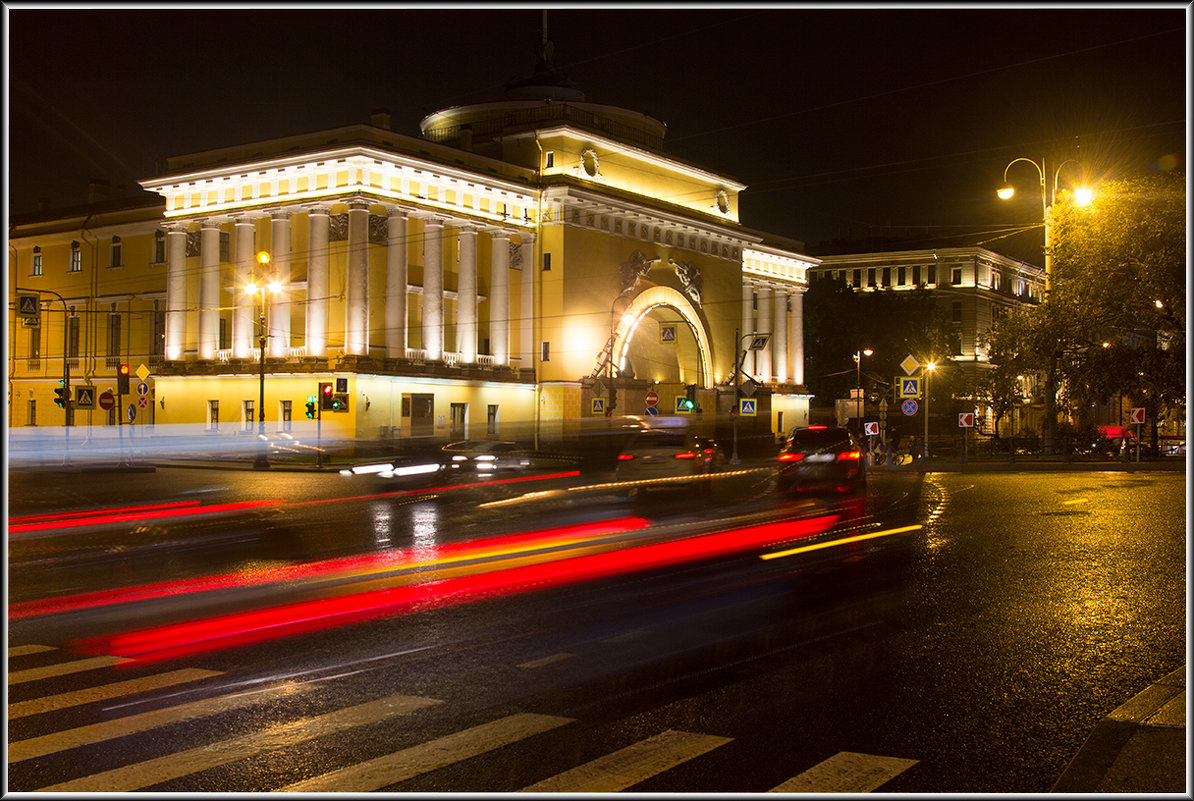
(159,247)
(32,412)
(956,312)
(213,415)
(247,414)
(916,275)
(546,262)
(285,416)
(955,276)
(544,351)
(549,160)
(34,343)
(932,274)
(491,420)
(458,415)
(158,346)
(996,280)
(223,335)
(870,277)
(76,258)
(903,277)
(35,269)
(886,276)
(116,253)
(857,278)
(113,332)
(754,301)
(72,335)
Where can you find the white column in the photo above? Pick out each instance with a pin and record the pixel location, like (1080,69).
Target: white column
(396,284)
(279,269)
(779,327)
(527,300)
(176,292)
(763,326)
(209,289)
(433,288)
(243,314)
(356,293)
(318,223)
(466,296)
(797,347)
(499,297)
(748,323)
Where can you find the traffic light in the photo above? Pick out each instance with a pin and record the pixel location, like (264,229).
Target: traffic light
(325,396)
(310,410)
(60,395)
(690,399)
(122,380)
(340,402)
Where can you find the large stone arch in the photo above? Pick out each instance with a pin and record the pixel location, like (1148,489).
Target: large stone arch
(653,298)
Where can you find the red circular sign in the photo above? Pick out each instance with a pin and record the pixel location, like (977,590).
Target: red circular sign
(652,397)
(106,400)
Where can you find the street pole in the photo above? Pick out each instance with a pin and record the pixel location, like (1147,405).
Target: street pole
(262,461)
(734,408)
(924,447)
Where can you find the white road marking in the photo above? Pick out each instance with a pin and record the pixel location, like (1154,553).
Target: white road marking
(105,692)
(63,668)
(417,760)
(184,763)
(25,650)
(847,772)
(631,765)
(109,729)
(547,660)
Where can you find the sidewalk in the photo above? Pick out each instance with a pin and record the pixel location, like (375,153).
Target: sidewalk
(1138,748)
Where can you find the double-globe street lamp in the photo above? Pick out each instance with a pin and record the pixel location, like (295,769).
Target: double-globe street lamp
(1082,196)
(262,286)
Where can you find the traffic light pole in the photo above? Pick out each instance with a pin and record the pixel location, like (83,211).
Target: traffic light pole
(67,406)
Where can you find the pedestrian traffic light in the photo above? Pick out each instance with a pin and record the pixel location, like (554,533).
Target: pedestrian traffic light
(690,399)
(325,396)
(60,394)
(310,410)
(122,380)
(340,402)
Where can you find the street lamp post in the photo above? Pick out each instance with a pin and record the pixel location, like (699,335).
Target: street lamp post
(262,460)
(924,446)
(757,342)
(1082,197)
(858,383)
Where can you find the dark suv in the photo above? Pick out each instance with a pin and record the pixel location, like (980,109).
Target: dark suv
(822,457)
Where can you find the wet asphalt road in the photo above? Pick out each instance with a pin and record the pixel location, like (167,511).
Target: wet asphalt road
(980,649)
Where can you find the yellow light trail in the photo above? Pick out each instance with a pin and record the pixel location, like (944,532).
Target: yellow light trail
(844,541)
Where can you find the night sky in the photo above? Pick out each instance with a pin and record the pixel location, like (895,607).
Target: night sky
(842,121)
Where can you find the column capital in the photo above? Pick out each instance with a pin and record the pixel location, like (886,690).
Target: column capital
(246,218)
(357,204)
(396,212)
(324,209)
(178,228)
(282,214)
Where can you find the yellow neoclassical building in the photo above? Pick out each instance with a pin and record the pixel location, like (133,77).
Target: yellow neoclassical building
(522,268)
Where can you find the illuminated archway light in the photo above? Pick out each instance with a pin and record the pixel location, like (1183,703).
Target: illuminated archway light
(655,297)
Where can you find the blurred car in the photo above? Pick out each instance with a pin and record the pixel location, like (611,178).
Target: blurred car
(486,455)
(667,452)
(822,457)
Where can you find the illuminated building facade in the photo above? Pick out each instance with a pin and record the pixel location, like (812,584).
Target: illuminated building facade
(519,268)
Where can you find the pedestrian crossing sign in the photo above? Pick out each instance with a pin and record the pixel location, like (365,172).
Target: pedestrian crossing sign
(667,334)
(85,397)
(598,405)
(909,387)
(747,407)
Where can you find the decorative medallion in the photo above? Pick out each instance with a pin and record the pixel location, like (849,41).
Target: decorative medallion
(589,163)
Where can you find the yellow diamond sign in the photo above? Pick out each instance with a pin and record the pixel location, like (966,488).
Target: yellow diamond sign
(909,365)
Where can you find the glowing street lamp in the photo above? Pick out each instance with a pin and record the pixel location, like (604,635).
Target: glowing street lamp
(858,381)
(1082,197)
(270,286)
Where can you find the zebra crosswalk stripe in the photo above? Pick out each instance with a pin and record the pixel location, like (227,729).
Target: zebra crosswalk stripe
(417,760)
(119,727)
(631,765)
(172,766)
(63,668)
(52,703)
(847,772)
(26,650)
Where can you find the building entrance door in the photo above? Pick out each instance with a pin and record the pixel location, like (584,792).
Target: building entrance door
(418,414)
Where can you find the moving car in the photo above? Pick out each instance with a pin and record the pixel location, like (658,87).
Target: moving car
(663,452)
(822,457)
(486,455)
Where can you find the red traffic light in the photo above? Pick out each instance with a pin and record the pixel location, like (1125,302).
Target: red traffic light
(124,369)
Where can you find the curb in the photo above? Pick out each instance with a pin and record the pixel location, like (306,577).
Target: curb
(1138,748)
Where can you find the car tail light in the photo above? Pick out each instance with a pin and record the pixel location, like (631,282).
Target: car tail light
(685,455)
(625,457)
(791,457)
(852,456)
